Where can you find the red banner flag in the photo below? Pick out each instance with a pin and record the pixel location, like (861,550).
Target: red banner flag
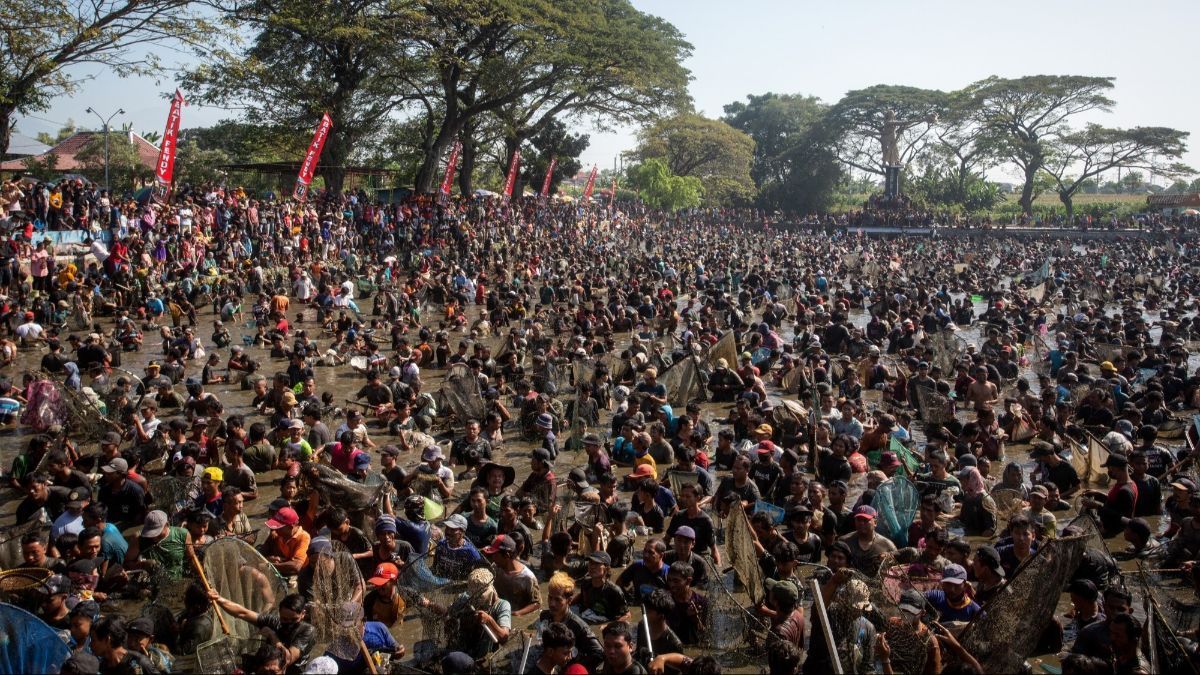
(511,180)
(164,171)
(451,165)
(549,175)
(309,167)
(612,199)
(587,191)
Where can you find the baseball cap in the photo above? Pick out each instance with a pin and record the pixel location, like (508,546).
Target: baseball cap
(888,460)
(686,532)
(953,574)
(76,497)
(455,522)
(390,450)
(362,460)
(1116,461)
(154,524)
(143,625)
(990,557)
(764,429)
(643,471)
(601,558)
(502,543)
(384,573)
(578,479)
(284,517)
(1040,491)
(766,448)
(576,669)
(785,587)
(543,455)
(865,511)
(111,438)
(215,474)
(591,439)
(1184,484)
(116,465)
(912,601)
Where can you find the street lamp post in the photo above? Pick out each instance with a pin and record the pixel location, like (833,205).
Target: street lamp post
(120,111)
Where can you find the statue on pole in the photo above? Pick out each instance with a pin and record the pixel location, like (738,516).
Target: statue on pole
(888,135)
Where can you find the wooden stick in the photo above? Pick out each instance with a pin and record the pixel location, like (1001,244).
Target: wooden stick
(362,644)
(204,580)
(835,661)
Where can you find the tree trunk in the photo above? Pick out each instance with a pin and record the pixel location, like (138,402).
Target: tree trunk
(6,114)
(470,154)
(426,181)
(335,155)
(1069,203)
(1026,200)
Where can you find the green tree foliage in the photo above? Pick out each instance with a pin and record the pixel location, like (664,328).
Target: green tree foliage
(41,40)
(660,188)
(42,169)
(195,165)
(244,142)
(794,167)
(530,61)
(62,134)
(1081,155)
(943,186)
(344,57)
(857,123)
(710,150)
(125,168)
(1029,113)
(552,141)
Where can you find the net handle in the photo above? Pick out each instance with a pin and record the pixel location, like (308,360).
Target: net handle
(835,660)
(204,580)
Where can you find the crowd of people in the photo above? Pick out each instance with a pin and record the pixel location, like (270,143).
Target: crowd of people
(584,505)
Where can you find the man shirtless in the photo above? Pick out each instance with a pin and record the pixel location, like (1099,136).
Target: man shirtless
(981,393)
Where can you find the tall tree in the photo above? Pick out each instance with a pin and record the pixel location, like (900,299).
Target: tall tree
(531,61)
(794,167)
(711,150)
(1029,113)
(859,118)
(965,144)
(556,141)
(41,41)
(344,57)
(1082,155)
(661,188)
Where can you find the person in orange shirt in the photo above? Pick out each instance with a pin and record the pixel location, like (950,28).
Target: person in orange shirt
(287,547)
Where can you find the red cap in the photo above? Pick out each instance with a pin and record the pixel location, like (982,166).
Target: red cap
(576,669)
(384,573)
(283,517)
(643,471)
(766,448)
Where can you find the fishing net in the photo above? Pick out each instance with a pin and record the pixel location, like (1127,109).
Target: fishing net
(739,544)
(107,385)
(1011,624)
(461,393)
(337,581)
(84,413)
(45,406)
(896,503)
(682,381)
(1008,504)
(172,494)
(730,626)
(1110,352)
(947,347)
(1167,653)
(240,573)
(898,578)
(29,645)
(790,382)
(910,644)
(436,620)
(334,487)
(10,542)
(935,408)
(725,348)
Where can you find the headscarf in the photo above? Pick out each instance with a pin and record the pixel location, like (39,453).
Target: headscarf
(972,482)
(73,380)
(479,585)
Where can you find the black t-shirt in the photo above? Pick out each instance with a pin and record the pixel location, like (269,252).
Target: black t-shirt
(126,505)
(642,581)
(134,663)
(1064,476)
(830,467)
(702,524)
(699,567)
(652,517)
(747,493)
(608,601)
(765,476)
(54,362)
(300,635)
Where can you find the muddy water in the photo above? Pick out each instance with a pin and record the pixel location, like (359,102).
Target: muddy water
(343,383)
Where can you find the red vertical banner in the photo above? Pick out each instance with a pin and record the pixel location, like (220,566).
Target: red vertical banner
(612,198)
(511,180)
(591,184)
(451,165)
(549,175)
(309,167)
(164,171)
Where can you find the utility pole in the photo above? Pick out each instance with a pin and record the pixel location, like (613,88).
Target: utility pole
(105,121)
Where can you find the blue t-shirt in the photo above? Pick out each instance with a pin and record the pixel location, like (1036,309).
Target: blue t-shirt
(416,534)
(937,598)
(113,546)
(377,638)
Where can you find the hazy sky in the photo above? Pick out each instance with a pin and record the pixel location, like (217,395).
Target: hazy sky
(828,48)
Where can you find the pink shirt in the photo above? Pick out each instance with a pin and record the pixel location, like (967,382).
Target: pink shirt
(39,263)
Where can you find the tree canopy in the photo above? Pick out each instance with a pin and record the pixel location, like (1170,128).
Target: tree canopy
(710,150)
